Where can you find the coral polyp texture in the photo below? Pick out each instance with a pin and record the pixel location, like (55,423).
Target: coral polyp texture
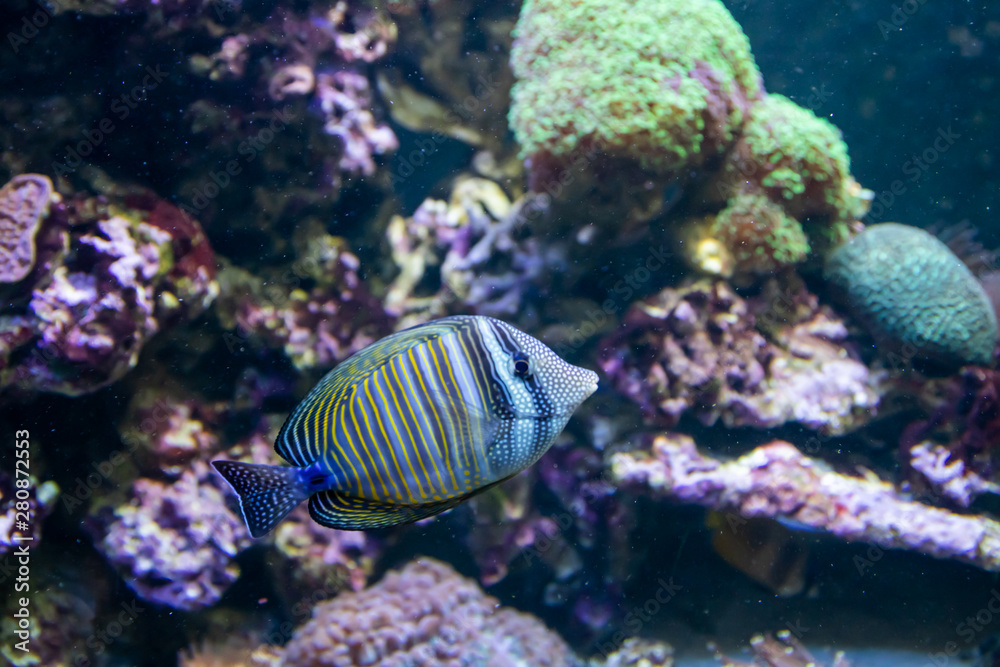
(672,88)
(173,543)
(777,481)
(665,83)
(799,161)
(425,615)
(916,298)
(757,234)
(24,203)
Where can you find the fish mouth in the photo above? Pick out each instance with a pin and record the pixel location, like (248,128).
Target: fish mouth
(589,386)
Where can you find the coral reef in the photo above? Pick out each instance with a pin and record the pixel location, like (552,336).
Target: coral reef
(318,561)
(40,502)
(799,162)
(699,348)
(665,84)
(484,265)
(783,650)
(638,653)
(954,450)
(914,296)
(345,101)
(61,621)
(131,272)
(425,614)
(786,190)
(669,93)
(317,326)
(510,532)
(756,234)
(169,430)
(776,480)
(174,544)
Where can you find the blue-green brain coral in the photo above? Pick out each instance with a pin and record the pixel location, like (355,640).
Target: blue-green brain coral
(914,295)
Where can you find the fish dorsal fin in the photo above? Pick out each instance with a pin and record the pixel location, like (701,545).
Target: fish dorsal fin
(300,440)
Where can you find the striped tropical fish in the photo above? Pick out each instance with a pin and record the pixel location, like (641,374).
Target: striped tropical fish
(413,425)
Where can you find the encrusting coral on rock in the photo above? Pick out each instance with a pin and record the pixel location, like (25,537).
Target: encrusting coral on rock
(133,270)
(955,451)
(777,481)
(174,543)
(669,93)
(319,312)
(665,84)
(702,348)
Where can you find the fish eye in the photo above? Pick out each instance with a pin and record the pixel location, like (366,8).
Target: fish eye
(521,366)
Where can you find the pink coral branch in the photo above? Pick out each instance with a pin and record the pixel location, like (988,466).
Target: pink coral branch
(776,480)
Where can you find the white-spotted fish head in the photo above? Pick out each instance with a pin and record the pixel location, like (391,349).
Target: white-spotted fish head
(546,384)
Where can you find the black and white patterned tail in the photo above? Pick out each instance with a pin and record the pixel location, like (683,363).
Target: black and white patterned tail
(267,493)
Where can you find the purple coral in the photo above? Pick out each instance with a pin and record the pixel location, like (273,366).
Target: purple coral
(697,348)
(777,481)
(321,327)
(954,450)
(24,202)
(484,267)
(174,544)
(345,101)
(425,615)
(130,275)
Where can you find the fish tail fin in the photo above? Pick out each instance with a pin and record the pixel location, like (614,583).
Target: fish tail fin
(267,493)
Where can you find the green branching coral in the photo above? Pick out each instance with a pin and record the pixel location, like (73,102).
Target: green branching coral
(666,83)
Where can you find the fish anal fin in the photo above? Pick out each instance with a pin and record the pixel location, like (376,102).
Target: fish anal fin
(335,510)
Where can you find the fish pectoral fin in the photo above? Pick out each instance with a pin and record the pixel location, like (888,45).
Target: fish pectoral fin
(335,510)
(464,422)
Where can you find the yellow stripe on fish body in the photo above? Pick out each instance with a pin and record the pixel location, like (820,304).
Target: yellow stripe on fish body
(421,420)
